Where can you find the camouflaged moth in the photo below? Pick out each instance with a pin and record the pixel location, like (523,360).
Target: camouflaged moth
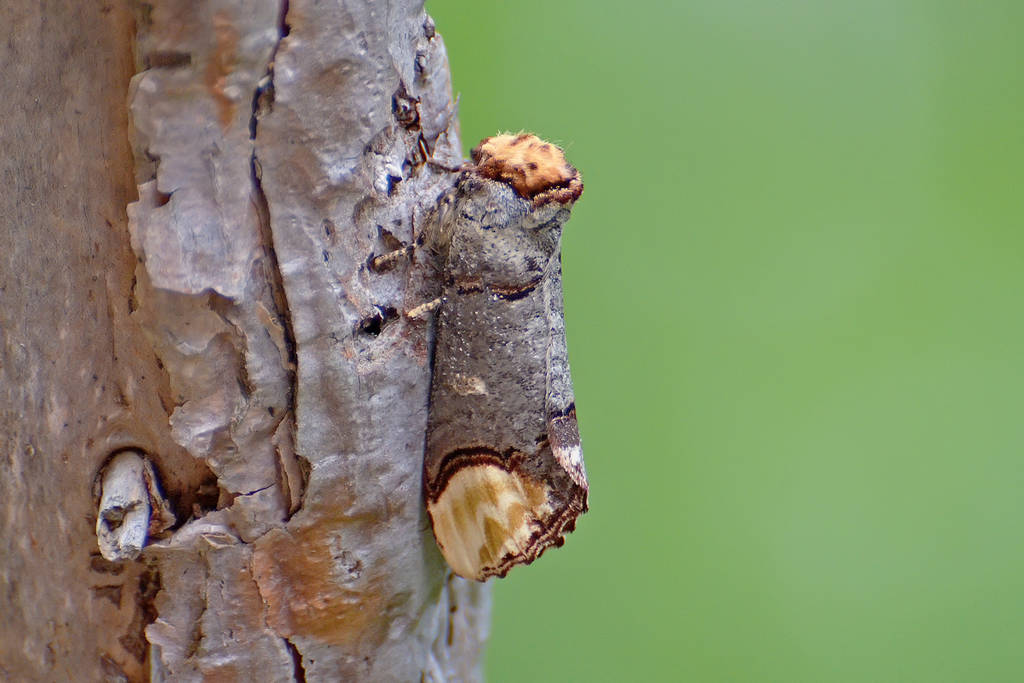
(503,473)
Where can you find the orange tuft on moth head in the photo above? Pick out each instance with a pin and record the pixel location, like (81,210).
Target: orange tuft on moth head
(535,169)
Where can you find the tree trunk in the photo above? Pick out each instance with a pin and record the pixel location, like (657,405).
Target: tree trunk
(222,358)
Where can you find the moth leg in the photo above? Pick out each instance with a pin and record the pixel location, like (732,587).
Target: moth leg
(425,308)
(379,264)
(450,168)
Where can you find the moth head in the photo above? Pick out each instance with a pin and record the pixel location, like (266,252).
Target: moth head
(535,169)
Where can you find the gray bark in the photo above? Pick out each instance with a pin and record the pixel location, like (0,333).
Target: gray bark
(229,331)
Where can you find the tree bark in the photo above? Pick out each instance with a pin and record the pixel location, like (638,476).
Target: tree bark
(224,348)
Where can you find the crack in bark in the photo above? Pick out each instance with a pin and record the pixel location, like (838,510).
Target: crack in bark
(264,96)
(255,491)
(149,586)
(299,671)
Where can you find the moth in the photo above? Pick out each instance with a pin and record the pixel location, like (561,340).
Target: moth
(503,471)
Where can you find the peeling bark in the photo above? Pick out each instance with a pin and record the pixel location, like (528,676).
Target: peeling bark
(231,333)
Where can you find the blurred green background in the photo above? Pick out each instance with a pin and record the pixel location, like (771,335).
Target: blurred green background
(793,290)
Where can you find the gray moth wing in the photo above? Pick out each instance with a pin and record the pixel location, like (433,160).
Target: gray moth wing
(503,472)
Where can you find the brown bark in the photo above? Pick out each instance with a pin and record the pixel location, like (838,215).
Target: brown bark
(231,332)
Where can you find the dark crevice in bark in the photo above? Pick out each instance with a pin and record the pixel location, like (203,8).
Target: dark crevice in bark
(299,672)
(255,491)
(135,640)
(263,102)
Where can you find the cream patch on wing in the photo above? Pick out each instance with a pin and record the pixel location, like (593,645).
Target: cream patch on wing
(467,385)
(484,516)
